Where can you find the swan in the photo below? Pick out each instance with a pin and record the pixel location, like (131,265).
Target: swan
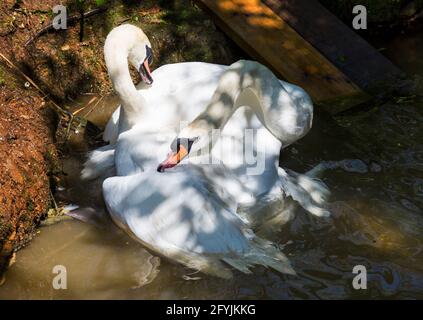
(180,214)
(250,97)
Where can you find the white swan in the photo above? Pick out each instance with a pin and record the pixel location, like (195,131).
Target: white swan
(279,113)
(179,214)
(182,214)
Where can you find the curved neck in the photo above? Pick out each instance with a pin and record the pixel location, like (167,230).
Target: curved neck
(252,85)
(132,101)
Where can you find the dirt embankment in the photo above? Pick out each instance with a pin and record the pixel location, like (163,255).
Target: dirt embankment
(26,151)
(65,67)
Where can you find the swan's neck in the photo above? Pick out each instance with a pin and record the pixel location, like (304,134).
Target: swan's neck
(237,87)
(250,84)
(132,101)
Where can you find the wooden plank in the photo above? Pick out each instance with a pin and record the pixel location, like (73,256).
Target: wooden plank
(270,40)
(350,53)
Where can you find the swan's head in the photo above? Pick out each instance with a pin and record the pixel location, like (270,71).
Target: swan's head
(195,138)
(128,41)
(141,57)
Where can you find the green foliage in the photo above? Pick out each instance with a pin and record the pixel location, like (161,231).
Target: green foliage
(100,2)
(82,3)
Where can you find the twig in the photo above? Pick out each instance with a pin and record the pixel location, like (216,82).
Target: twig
(54,202)
(82,108)
(95,105)
(33,11)
(70,19)
(416,17)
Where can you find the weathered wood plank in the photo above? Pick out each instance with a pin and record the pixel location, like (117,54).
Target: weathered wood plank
(270,40)
(349,52)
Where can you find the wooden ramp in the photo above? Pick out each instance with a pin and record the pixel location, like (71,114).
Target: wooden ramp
(299,41)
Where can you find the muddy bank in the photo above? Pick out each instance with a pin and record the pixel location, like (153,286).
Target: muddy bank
(26,153)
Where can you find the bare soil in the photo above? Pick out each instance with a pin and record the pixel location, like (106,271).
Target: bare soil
(26,151)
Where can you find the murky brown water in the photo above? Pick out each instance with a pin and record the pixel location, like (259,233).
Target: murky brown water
(377,206)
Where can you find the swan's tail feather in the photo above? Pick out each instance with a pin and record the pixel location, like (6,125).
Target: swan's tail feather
(310,193)
(263,253)
(260,252)
(239,264)
(210,266)
(271,208)
(100,163)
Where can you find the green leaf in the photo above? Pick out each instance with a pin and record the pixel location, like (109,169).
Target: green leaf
(100,2)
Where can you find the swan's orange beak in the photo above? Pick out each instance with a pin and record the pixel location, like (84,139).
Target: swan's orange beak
(173,159)
(145,72)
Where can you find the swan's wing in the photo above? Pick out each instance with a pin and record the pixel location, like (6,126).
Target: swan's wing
(100,162)
(174,210)
(178,215)
(136,150)
(309,192)
(112,128)
(174,77)
(250,151)
(179,93)
(304,105)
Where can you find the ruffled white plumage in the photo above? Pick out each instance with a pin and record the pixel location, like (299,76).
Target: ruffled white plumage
(186,215)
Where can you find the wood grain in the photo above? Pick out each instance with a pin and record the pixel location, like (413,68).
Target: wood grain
(267,38)
(341,45)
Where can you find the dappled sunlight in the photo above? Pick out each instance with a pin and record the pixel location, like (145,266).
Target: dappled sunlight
(265,35)
(212,181)
(258,16)
(381,234)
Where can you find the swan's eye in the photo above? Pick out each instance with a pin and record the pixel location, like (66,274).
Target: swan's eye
(185,142)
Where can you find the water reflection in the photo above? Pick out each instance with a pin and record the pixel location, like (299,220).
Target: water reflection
(99,264)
